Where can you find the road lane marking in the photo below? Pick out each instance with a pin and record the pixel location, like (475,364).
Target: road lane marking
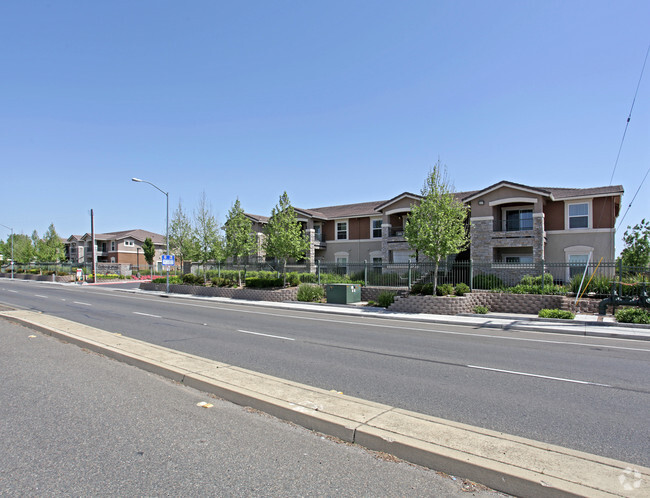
(146,314)
(266,335)
(38,295)
(525,374)
(237,308)
(15,292)
(84,304)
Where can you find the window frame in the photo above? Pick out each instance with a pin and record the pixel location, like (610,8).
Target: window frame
(570,217)
(373,228)
(346,231)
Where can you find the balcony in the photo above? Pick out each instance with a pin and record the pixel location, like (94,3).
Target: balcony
(513,225)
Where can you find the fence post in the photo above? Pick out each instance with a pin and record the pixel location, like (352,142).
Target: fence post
(409,283)
(318,270)
(543,276)
(620,277)
(365,272)
(471,274)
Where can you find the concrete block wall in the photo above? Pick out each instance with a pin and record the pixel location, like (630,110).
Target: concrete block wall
(275,295)
(372,293)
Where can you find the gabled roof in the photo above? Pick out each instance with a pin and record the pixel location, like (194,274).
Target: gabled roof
(403,195)
(257,218)
(74,238)
(137,234)
(552,192)
(348,210)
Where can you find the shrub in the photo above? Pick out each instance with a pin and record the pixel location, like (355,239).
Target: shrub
(334,278)
(481,310)
(173,279)
(487,282)
(385,299)
(555,313)
(310,293)
(264,283)
(600,284)
(531,280)
(462,289)
(633,315)
(190,279)
(427,289)
(416,288)
(224,282)
(444,290)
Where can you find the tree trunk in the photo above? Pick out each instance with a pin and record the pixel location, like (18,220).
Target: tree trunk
(435,276)
(284,272)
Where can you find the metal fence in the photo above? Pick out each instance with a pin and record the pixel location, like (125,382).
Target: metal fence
(476,275)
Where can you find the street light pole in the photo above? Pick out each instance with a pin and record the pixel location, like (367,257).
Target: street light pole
(167,234)
(12,249)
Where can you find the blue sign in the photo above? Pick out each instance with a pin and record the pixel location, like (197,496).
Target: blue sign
(168,260)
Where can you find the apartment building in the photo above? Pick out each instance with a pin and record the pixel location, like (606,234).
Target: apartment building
(114,247)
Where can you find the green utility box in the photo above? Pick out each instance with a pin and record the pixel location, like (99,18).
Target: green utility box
(343,293)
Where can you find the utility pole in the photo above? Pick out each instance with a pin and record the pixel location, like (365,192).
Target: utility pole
(92,233)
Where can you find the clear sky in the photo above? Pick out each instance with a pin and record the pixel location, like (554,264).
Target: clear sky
(335,102)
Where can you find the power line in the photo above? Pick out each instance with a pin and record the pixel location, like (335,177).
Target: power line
(630,204)
(629,116)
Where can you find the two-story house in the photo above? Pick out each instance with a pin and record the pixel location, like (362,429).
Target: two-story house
(114,247)
(508,223)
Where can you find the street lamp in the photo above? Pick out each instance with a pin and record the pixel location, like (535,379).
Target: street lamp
(167,236)
(12,248)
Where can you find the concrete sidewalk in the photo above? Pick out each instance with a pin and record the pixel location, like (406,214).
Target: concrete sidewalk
(585,325)
(507,463)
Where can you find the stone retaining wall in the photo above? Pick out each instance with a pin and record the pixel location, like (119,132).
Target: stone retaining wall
(275,295)
(40,278)
(529,304)
(372,293)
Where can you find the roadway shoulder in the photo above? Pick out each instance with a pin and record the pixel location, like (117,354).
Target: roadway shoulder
(511,464)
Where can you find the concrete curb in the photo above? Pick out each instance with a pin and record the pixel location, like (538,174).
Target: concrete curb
(507,463)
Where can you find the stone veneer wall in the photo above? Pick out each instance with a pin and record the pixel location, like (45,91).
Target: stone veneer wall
(496,302)
(40,278)
(275,295)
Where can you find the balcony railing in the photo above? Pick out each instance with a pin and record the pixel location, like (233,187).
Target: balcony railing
(521,225)
(396,232)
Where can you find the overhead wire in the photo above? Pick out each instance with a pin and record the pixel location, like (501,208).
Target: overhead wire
(630,204)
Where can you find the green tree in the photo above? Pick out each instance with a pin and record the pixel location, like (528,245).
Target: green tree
(23,249)
(637,245)
(50,248)
(284,237)
(240,239)
(149,250)
(436,226)
(182,242)
(209,243)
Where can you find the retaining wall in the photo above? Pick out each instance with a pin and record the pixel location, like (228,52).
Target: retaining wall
(275,295)
(40,278)
(529,304)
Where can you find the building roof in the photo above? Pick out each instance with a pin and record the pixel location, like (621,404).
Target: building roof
(137,234)
(553,192)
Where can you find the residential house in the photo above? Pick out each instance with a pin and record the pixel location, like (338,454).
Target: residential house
(508,223)
(115,247)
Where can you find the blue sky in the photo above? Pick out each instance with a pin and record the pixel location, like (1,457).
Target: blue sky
(335,102)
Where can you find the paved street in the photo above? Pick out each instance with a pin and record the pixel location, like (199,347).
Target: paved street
(77,423)
(585,393)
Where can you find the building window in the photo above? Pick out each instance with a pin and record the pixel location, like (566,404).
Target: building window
(318,234)
(375,228)
(577,264)
(341,230)
(128,243)
(518,219)
(112,245)
(579,215)
(341,259)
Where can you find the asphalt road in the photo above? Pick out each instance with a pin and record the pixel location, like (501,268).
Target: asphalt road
(73,423)
(590,394)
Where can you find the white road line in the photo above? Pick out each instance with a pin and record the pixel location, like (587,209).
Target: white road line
(38,295)
(15,292)
(418,329)
(85,304)
(538,376)
(146,314)
(267,335)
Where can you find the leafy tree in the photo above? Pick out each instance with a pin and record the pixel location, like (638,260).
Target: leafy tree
(240,239)
(149,250)
(23,249)
(182,242)
(284,237)
(637,245)
(208,239)
(436,226)
(50,248)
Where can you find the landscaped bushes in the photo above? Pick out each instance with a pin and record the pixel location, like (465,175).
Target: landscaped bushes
(310,293)
(555,313)
(487,282)
(633,315)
